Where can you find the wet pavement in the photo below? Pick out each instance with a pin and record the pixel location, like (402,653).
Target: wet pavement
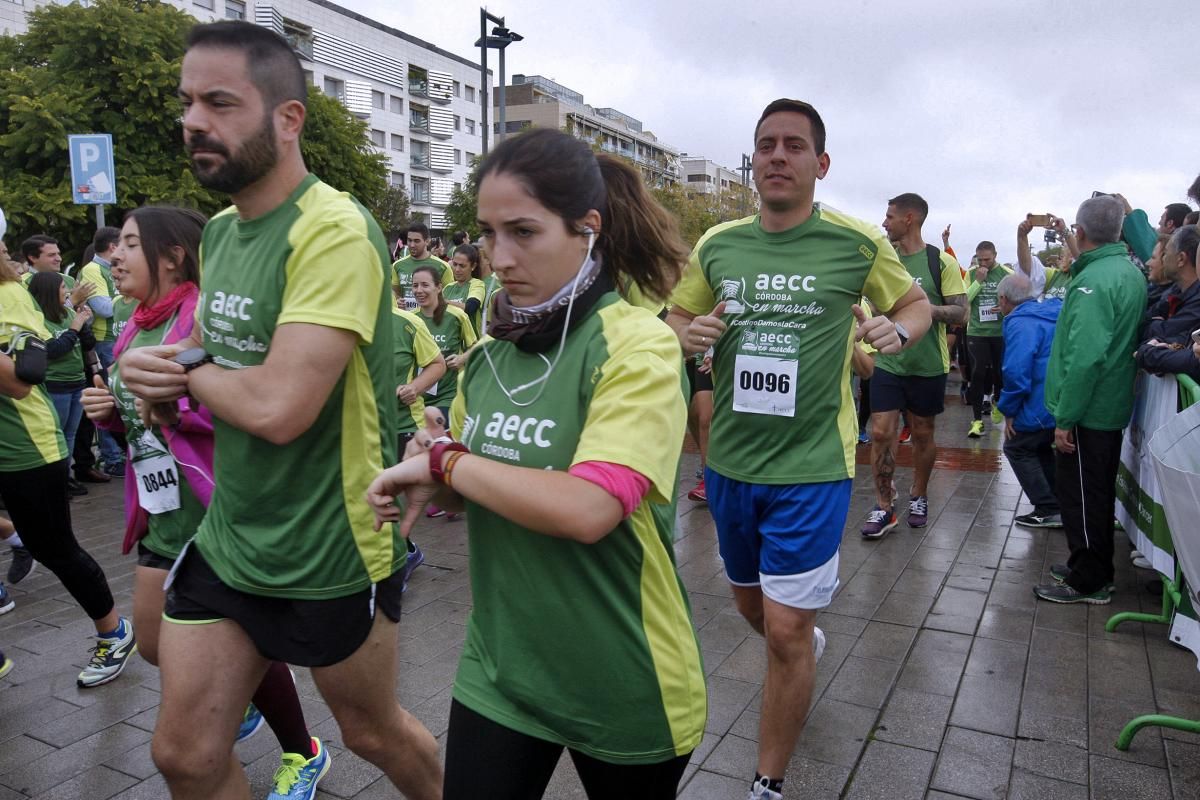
(943,677)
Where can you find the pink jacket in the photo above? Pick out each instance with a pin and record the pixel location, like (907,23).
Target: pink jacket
(190,441)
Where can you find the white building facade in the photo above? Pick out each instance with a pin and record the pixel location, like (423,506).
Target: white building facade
(423,105)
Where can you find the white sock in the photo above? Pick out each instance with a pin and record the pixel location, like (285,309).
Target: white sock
(15,540)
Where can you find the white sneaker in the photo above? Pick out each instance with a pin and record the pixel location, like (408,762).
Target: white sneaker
(1134,555)
(759,790)
(818,643)
(109,658)
(1141,562)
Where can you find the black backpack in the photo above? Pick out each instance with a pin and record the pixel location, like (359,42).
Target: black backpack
(935,269)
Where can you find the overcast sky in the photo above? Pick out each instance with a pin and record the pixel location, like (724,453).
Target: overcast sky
(987,109)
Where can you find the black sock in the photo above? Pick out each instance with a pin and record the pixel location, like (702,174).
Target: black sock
(773,785)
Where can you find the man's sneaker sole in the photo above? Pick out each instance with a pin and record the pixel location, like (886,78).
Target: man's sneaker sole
(8,606)
(884,531)
(1029,521)
(1094,599)
(1059,573)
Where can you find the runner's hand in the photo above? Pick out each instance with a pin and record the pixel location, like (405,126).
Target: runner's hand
(406,393)
(877,331)
(410,478)
(80,294)
(149,373)
(97,401)
(1009,430)
(703,331)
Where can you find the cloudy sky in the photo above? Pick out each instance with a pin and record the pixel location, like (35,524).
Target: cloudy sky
(987,109)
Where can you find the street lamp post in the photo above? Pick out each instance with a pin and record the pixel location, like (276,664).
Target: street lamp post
(500,38)
(745,169)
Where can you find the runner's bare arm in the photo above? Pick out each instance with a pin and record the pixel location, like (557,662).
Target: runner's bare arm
(911,311)
(279,399)
(954,312)
(10,384)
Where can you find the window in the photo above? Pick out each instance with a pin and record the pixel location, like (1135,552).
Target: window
(470,94)
(377,100)
(418,81)
(457,89)
(397,142)
(203,4)
(397,105)
(420,190)
(235,9)
(470,157)
(420,154)
(458,156)
(418,118)
(397,179)
(377,137)
(334,88)
(457,122)
(299,36)
(471,126)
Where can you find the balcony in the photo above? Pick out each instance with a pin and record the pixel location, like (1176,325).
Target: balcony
(418,87)
(419,161)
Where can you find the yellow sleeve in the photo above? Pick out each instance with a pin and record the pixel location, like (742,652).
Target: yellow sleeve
(692,293)
(952,277)
(395,276)
(475,289)
(464,324)
(348,303)
(458,412)
(888,280)
(638,399)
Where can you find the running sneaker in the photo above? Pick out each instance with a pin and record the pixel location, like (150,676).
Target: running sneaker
(116,469)
(22,565)
(699,494)
(252,722)
(297,776)
(905,435)
(863,438)
(1036,520)
(1060,571)
(818,643)
(997,416)
(6,665)
(878,523)
(761,790)
(415,559)
(109,657)
(976,429)
(6,602)
(1062,593)
(918,511)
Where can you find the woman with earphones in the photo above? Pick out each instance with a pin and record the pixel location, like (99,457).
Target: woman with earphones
(571,420)
(168,472)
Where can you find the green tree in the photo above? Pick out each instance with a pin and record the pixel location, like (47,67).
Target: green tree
(392,211)
(113,67)
(462,213)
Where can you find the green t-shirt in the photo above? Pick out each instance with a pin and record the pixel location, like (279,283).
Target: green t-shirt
(985,305)
(1057,283)
(123,308)
(929,357)
(402,272)
(169,531)
(30,435)
(101,277)
(783,412)
(290,520)
(67,279)
(452,337)
(595,649)
(462,292)
(412,347)
(67,368)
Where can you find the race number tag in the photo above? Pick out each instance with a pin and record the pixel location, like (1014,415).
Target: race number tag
(157,476)
(988,314)
(764,385)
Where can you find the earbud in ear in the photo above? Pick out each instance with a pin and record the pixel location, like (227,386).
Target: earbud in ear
(587,231)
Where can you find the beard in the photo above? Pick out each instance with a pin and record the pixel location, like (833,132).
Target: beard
(252,161)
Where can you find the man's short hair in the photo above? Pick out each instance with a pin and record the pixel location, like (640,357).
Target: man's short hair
(1192,218)
(273,66)
(419,227)
(105,238)
(985,245)
(796,107)
(1101,219)
(31,248)
(1177,213)
(1016,287)
(1185,241)
(910,201)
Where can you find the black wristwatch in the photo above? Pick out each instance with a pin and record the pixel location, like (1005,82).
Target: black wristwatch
(900,331)
(193,357)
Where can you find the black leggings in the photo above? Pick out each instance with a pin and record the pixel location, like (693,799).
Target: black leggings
(38,506)
(987,356)
(486,759)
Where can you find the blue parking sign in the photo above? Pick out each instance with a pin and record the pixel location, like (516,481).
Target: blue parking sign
(93,178)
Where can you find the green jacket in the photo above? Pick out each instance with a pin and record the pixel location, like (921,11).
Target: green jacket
(1139,234)
(1089,380)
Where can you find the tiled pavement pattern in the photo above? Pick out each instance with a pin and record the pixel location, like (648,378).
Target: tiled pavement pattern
(942,677)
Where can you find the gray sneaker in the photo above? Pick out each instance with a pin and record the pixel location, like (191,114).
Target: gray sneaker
(22,565)
(109,657)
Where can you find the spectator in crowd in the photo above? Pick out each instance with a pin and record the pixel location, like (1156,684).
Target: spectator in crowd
(1157,283)
(1028,427)
(1173,218)
(1089,390)
(1167,334)
(1047,280)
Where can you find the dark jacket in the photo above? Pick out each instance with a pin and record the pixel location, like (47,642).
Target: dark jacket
(1175,314)
(1028,337)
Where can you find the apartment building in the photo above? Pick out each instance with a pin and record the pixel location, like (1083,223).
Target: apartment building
(423,105)
(536,101)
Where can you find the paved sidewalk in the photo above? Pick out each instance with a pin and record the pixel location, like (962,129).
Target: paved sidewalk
(942,676)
